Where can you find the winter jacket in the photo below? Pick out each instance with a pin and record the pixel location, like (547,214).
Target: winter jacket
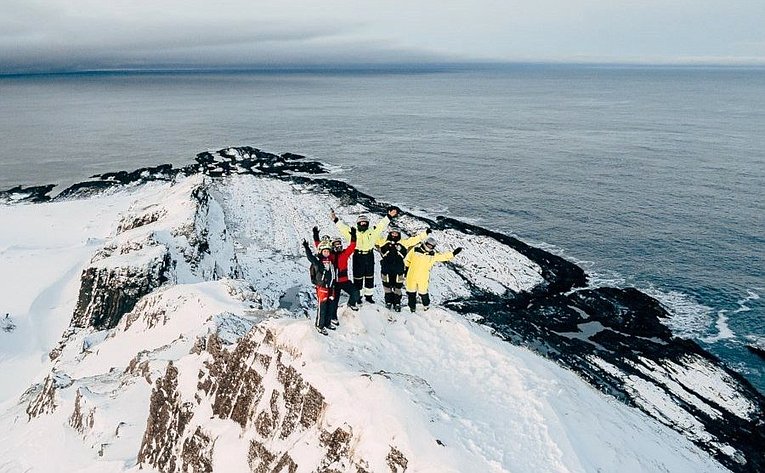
(393,253)
(324,268)
(419,261)
(365,241)
(340,260)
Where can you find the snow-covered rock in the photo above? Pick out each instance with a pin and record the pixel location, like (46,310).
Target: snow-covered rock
(187,344)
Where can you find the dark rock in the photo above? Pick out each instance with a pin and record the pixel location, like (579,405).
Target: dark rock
(397,462)
(756,349)
(44,402)
(107,293)
(85,189)
(33,194)
(197,452)
(168,417)
(81,419)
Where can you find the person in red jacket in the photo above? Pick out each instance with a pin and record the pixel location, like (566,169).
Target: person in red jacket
(340,258)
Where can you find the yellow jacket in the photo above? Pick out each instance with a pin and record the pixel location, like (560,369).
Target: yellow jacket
(406,242)
(420,261)
(365,241)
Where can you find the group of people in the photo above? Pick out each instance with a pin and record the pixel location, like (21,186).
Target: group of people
(404,263)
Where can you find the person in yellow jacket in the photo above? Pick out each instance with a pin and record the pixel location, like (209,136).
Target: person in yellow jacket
(418,262)
(393,250)
(363,256)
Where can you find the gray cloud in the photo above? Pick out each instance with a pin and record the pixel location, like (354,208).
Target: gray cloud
(40,35)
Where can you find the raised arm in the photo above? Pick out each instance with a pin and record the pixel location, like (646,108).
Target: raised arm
(411,241)
(309,254)
(352,245)
(447,255)
(316,238)
(379,228)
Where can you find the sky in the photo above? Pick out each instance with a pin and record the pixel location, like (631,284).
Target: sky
(71,35)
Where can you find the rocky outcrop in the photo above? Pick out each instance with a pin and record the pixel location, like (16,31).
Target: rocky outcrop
(617,340)
(107,292)
(83,417)
(168,418)
(44,402)
(20,194)
(155,244)
(256,385)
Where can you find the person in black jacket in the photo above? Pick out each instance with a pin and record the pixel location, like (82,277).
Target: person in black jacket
(393,250)
(340,258)
(324,276)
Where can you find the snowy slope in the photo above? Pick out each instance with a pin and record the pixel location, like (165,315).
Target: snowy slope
(185,346)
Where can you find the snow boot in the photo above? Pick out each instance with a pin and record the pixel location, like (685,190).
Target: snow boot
(388,305)
(397,307)
(369,299)
(354,306)
(322,330)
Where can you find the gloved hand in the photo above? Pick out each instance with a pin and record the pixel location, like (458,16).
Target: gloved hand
(428,231)
(457,251)
(305,245)
(353,233)
(392,212)
(333,215)
(315,233)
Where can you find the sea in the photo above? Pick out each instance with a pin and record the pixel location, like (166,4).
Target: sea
(652,177)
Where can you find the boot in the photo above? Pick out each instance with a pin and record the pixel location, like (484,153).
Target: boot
(369,299)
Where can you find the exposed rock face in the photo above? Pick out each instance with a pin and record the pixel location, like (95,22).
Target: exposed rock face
(19,194)
(155,244)
(239,160)
(82,418)
(255,385)
(168,418)
(44,402)
(109,292)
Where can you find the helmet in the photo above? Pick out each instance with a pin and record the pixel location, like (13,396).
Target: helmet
(430,243)
(325,245)
(337,243)
(394,235)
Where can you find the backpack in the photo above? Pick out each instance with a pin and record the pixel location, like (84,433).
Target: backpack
(316,277)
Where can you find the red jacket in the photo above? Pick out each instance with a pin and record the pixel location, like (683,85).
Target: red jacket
(340,260)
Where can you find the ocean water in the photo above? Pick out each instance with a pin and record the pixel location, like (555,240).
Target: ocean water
(650,177)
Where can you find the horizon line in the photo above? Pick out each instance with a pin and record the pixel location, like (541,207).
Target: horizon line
(392,67)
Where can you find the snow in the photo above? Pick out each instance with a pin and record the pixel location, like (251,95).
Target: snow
(446,392)
(43,249)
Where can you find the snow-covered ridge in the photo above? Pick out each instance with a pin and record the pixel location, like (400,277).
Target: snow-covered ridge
(205,270)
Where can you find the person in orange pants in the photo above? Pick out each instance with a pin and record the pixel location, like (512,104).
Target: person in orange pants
(324,276)
(419,262)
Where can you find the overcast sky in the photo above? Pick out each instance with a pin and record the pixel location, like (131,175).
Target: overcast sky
(46,35)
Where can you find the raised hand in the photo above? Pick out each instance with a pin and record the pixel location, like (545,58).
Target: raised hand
(305,243)
(316,233)
(333,215)
(428,231)
(353,233)
(457,251)
(392,212)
